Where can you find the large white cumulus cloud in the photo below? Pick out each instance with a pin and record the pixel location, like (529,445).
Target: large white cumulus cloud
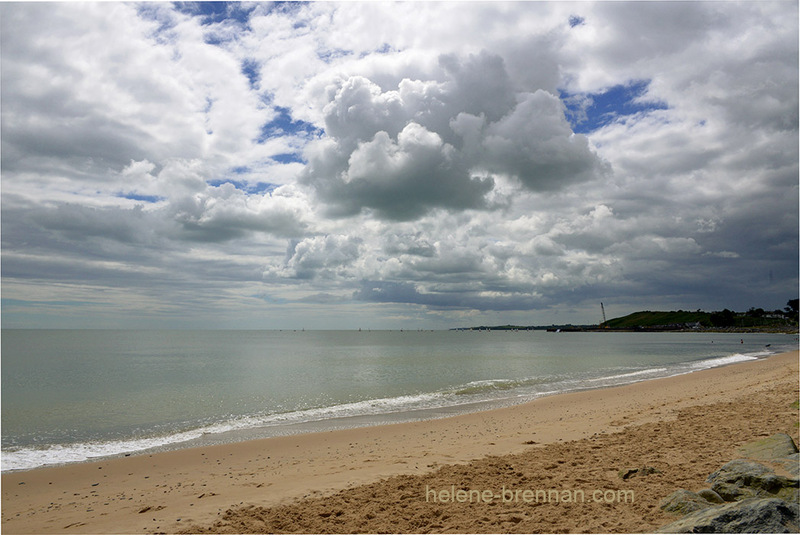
(440,143)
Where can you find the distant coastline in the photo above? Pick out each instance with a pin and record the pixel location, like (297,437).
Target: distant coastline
(725,321)
(596,328)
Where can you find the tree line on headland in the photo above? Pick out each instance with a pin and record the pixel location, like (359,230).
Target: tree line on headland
(754,319)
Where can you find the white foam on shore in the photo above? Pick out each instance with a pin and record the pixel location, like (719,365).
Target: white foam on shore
(32,457)
(730,359)
(631,375)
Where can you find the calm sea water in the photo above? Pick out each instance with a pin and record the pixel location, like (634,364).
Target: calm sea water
(73,395)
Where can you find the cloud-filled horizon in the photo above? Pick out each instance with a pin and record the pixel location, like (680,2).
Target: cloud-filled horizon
(395,165)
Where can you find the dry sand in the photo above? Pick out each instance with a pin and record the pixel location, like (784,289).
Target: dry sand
(375,479)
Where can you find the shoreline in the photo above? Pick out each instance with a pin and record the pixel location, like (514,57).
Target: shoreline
(172,490)
(93,452)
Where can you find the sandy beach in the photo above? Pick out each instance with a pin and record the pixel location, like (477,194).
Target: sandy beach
(405,477)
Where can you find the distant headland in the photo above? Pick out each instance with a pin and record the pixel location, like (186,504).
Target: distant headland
(754,320)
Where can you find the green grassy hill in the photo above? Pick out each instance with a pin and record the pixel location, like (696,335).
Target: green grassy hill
(666,320)
(654,319)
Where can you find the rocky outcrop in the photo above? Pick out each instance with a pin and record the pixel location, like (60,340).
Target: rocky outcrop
(791,464)
(754,515)
(742,479)
(710,496)
(684,502)
(745,496)
(775,447)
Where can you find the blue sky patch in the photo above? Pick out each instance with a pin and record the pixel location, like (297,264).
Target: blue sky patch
(210,39)
(335,53)
(137,197)
(213,12)
(250,69)
(385,48)
(288,158)
(575,20)
(258,187)
(588,112)
(284,125)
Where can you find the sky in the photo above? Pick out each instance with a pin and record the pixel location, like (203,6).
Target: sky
(344,165)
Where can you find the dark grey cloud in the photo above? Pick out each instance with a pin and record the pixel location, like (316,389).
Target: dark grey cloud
(70,140)
(401,292)
(481,85)
(536,144)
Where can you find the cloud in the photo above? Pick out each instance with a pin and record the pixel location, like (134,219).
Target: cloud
(383,292)
(440,143)
(403,179)
(225,212)
(112,84)
(270,163)
(325,257)
(482,85)
(535,144)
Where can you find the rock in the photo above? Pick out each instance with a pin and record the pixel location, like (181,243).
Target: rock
(710,496)
(740,479)
(632,472)
(763,502)
(791,464)
(754,515)
(684,502)
(775,447)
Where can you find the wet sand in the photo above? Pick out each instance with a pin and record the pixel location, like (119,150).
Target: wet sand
(380,479)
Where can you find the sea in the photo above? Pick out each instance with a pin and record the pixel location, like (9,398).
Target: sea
(77,395)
